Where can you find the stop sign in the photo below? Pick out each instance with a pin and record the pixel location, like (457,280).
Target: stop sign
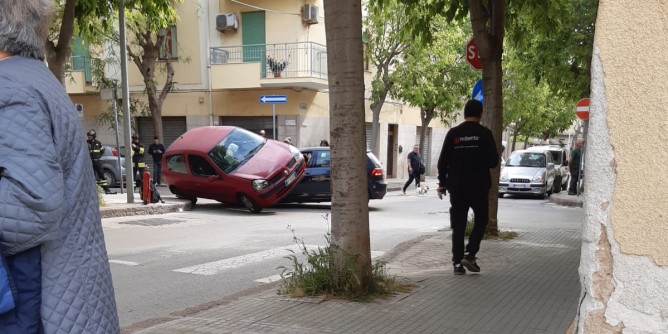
(472,55)
(582,109)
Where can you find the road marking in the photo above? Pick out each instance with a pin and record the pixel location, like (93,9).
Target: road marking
(127,263)
(213,268)
(269,279)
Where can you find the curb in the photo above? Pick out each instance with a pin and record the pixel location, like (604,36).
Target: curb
(567,201)
(137,209)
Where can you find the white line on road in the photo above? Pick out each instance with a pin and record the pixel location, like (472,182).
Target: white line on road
(127,263)
(213,268)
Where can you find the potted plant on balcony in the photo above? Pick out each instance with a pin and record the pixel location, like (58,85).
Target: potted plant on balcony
(276,66)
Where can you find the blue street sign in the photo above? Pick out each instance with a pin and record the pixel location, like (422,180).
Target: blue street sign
(477,91)
(273,99)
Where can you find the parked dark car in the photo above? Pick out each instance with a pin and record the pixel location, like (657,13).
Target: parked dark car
(109,162)
(231,165)
(316,185)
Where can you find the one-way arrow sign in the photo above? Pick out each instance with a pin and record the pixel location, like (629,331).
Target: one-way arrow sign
(273,99)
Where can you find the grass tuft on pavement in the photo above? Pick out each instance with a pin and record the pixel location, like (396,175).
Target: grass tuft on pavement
(313,273)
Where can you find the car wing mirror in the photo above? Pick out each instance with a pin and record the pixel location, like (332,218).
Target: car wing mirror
(550,165)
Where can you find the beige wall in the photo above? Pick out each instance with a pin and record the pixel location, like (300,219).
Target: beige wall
(624,265)
(283,21)
(187,68)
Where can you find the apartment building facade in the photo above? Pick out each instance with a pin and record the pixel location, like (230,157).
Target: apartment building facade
(230,54)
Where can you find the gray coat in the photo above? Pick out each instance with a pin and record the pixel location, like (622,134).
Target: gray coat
(48,199)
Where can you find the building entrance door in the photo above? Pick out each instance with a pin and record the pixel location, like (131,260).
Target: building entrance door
(391,149)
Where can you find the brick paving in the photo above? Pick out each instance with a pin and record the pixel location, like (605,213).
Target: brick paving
(527,285)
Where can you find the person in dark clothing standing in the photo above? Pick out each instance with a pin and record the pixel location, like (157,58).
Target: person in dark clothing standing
(413,160)
(156,150)
(574,167)
(469,151)
(96,150)
(138,164)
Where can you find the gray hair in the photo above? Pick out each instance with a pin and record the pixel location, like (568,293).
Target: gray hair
(24,26)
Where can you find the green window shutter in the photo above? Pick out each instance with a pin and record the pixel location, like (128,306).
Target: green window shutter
(169,43)
(253,37)
(81,58)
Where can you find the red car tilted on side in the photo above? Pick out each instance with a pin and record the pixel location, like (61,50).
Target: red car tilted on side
(231,165)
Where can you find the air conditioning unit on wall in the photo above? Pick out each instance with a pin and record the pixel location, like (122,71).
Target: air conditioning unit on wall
(310,14)
(227,21)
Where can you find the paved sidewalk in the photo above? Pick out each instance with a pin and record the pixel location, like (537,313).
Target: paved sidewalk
(527,285)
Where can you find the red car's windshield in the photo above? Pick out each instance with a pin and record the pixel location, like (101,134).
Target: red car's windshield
(235,149)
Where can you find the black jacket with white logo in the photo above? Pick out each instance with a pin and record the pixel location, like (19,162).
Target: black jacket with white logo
(468,153)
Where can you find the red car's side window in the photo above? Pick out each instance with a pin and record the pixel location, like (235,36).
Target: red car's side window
(176,163)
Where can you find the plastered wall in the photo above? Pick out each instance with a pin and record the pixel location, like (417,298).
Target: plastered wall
(624,263)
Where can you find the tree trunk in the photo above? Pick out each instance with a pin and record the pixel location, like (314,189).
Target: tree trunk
(350,211)
(427,114)
(514,141)
(58,55)
(488,30)
(376,107)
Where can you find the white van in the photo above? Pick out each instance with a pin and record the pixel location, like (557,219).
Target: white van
(560,158)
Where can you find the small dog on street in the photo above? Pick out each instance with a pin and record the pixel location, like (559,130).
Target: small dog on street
(423,190)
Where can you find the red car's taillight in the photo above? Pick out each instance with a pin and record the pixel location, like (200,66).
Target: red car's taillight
(114,151)
(377,172)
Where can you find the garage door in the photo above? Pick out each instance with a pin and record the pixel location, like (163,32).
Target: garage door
(172,128)
(251,123)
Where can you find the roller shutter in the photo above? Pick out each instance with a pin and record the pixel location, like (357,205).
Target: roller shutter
(172,128)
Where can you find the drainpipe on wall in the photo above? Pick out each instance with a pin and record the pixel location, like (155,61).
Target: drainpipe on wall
(208,57)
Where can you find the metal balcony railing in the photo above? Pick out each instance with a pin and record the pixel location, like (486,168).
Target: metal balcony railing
(303,59)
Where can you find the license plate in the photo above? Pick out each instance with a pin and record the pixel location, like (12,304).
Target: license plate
(290,178)
(519,185)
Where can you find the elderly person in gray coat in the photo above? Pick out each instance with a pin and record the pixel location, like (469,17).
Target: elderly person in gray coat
(48,201)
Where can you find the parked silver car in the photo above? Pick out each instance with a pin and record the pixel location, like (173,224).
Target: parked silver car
(560,158)
(109,161)
(528,172)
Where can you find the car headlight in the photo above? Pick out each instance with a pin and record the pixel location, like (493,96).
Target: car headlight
(504,176)
(295,152)
(539,177)
(260,184)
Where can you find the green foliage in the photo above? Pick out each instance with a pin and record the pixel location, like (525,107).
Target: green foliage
(437,77)
(276,66)
(100,198)
(318,276)
(532,106)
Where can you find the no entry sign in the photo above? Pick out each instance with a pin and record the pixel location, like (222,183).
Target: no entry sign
(582,109)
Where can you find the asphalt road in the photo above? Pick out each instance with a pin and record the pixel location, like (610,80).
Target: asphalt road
(168,263)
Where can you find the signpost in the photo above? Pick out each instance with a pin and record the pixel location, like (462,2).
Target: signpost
(477,91)
(582,109)
(273,100)
(472,55)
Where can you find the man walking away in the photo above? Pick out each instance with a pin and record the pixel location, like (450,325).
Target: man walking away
(96,150)
(468,153)
(413,160)
(574,167)
(156,150)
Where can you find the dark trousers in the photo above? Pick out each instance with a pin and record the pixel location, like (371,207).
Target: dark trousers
(573,184)
(25,269)
(460,203)
(414,175)
(99,175)
(138,172)
(157,171)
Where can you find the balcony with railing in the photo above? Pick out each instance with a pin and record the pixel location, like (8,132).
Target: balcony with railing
(299,64)
(79,74)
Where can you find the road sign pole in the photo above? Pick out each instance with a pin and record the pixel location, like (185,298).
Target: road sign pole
(273,118)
